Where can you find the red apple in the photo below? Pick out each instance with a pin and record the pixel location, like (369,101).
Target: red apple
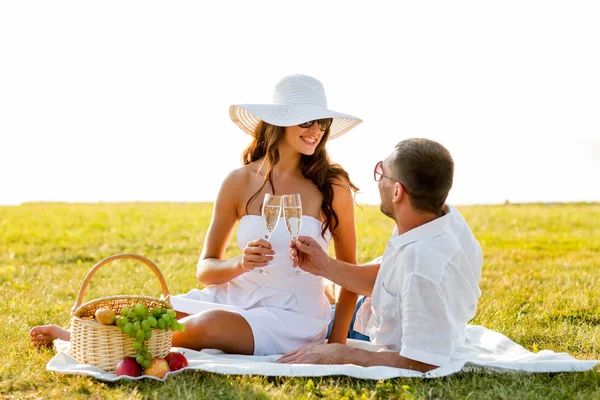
(176,361)
(158,368)
(128,366)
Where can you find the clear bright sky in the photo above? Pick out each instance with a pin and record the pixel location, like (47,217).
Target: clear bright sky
(128,100)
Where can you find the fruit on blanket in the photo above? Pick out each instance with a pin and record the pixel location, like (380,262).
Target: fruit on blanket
(176,361)
(105,316)
(128,366)
(158,368)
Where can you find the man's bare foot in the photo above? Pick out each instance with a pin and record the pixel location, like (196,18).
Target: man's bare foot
(44,335)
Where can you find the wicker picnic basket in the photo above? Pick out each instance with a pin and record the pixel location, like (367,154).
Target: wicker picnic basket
(105,345)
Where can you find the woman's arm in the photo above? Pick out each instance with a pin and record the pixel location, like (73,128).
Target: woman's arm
(345,250)
(212,268)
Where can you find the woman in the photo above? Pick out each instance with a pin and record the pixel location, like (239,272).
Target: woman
(243,311)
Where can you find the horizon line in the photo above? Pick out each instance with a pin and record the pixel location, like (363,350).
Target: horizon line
(506,202)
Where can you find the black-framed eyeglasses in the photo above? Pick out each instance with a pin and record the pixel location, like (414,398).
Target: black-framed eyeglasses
(323,123)
(378,174)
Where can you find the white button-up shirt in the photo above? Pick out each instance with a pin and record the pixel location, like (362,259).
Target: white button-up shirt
(426,290)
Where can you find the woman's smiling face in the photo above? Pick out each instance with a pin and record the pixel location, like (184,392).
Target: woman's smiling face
(304,140)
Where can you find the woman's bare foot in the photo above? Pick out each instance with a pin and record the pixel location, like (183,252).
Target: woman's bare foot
(44,335)
(332,291)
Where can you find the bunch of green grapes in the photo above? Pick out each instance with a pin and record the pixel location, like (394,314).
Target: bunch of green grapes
(138,322)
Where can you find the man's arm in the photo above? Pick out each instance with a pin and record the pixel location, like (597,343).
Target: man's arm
(342,354)
(355,278)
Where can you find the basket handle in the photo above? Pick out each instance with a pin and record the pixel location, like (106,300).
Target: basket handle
(115,257)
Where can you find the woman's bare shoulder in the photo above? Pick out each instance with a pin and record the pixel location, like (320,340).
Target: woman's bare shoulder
(340,183)
(239,176)
(343,194)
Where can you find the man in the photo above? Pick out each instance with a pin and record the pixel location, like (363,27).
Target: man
(426,288)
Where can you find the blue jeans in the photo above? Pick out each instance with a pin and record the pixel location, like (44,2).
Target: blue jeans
(352,334)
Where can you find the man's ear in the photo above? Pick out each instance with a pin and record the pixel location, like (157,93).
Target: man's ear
(398,193)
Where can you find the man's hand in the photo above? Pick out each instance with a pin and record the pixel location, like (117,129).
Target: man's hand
(308,255)
(317,354)
(336,353)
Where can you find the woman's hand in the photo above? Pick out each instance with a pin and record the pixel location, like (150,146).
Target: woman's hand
(257,253)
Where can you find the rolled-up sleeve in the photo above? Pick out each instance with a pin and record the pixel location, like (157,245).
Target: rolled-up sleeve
(428,330)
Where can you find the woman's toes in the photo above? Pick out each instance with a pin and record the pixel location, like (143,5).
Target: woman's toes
(41,340)
(43,335)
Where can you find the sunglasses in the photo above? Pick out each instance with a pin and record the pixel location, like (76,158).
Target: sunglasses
(324,124)
(378,174)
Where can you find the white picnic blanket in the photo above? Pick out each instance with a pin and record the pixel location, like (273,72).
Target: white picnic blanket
(483,348)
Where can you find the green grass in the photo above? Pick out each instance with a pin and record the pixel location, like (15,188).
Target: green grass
(540,284)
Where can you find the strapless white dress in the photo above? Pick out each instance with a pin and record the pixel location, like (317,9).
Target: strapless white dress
(285,310)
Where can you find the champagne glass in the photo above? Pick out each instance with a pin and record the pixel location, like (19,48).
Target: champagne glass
(292,212)
(271,211)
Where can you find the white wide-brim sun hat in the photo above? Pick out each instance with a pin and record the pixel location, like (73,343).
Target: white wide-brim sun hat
(297,99)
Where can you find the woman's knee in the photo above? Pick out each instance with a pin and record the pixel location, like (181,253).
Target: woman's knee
(195,332)
(207,328)
(212,321)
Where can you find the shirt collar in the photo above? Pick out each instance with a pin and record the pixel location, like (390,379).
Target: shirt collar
(431,229)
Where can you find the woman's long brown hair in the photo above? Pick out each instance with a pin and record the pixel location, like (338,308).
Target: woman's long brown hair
(316,167)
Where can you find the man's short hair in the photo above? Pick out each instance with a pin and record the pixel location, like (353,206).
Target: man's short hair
(426,168)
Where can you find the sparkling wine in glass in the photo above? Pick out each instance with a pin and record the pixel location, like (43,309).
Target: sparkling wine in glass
(271,211)
(292,213)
